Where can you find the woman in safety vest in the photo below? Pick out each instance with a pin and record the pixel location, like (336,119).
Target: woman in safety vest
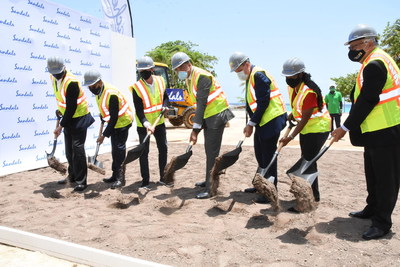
(308,109)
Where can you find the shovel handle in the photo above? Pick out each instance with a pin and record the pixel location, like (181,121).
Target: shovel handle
(59,116)
(189,147)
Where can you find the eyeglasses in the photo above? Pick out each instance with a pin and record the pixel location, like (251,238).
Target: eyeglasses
(354,46)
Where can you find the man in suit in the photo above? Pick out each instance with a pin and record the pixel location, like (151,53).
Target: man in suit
(212,110)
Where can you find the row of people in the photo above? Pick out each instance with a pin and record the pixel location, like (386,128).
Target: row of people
(373,122)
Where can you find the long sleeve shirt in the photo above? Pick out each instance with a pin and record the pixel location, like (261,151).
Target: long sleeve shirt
(374,79)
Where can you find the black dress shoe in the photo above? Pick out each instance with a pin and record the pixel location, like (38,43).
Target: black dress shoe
(80,187)
(374,233)
(109,180)
(360,214)
(200,184)
(250,190)
(262,200)
(203,195)
(117,184)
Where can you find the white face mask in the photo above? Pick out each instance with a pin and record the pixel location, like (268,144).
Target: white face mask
(182,75)
(242,76)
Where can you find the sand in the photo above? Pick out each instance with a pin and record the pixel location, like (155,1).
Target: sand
(170,226)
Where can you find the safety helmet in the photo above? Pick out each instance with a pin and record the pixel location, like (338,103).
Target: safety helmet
(55,65)
(178,59)
(293,66)
(361,31)
(91,77)
(237,59)
(145,63)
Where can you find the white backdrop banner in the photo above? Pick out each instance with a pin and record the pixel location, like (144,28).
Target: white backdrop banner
(32,31)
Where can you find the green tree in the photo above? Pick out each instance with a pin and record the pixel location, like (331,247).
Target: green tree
(165,51)
(390,40)
(345,84)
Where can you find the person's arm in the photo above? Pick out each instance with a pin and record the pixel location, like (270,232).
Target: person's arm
(374,79)
(262,88)
(71,103)
(139,109)
(165,99)
(114,109)
(203,90)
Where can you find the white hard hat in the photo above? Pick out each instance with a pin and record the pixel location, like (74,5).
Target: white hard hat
(237,59)
(91,77)
(361,31)
(145,63)
(55,65)
(293,66)
(178,59)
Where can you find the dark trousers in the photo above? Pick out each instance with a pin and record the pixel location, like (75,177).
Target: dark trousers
(212,146)
(336,118)
(160,135)
(382,173)
(118,149)
(264,150)
(76,156)
(310,145)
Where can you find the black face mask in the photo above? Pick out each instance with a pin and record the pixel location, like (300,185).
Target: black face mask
(96,90)
(145,74)
(59,75)
(356,55)
(293,82)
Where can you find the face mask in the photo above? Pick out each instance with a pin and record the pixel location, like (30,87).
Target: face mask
(145,74)
(182,75)
(293,82)
(242,76)
(58,76)
(95,90)
(356,55)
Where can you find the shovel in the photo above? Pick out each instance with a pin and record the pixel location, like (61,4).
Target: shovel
(263,171)
(228,159)
(51,160)
(177,163)
(93,163)
(137,151)
(301,168)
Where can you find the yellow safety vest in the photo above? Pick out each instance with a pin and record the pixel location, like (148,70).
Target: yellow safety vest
(125,114)
(319,122)
(152,103)
(60,93)
(276,106)
(387,112)
(216,101)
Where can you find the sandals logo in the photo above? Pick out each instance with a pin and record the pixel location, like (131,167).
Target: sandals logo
(42,106)
(27,147)
(11,163)
(20,12)
(5,136)
(40,57)
(25,67)
(23,94)
(43,132)
(27,120)
(63,13)
(10,107)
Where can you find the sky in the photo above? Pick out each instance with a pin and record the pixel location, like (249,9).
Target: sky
(269,32)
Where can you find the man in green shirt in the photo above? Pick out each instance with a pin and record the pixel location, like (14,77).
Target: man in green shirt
(334,103)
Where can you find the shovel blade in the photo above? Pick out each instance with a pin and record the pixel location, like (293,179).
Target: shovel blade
(134,153)
(301,169)
(229,158)
(182,160)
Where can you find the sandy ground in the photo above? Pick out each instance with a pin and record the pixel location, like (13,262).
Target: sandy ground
(171,226)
